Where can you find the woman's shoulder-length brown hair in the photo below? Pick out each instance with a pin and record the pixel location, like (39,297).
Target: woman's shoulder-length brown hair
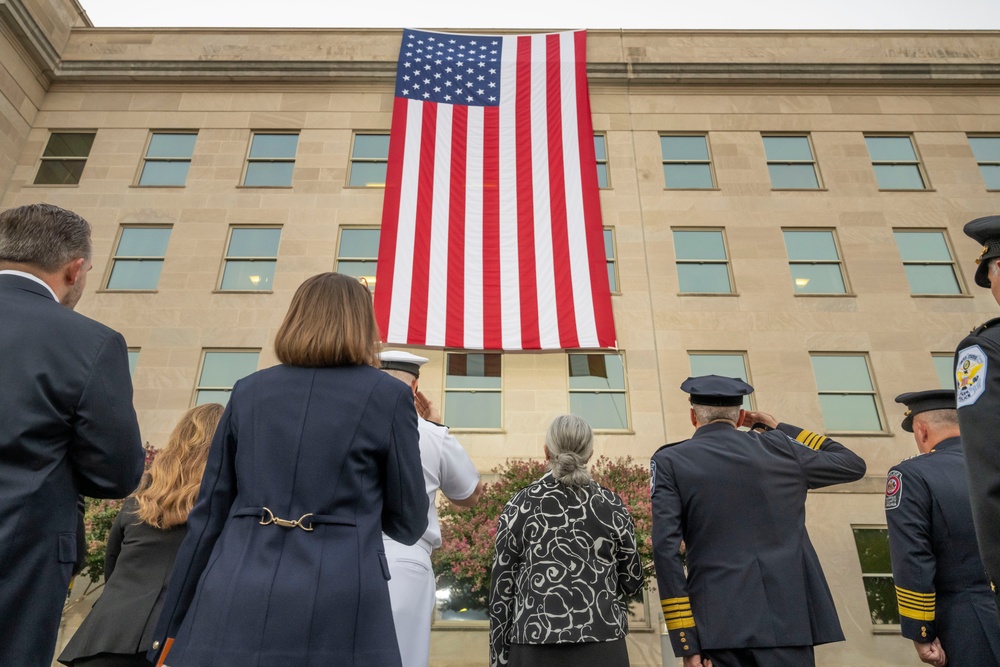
(330,322)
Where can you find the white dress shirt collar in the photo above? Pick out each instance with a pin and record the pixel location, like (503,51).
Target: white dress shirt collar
(30,276)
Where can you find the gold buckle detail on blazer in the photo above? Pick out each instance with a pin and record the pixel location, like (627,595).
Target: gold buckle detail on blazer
(267,517)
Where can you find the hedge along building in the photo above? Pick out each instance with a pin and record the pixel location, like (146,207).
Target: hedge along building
(782,205)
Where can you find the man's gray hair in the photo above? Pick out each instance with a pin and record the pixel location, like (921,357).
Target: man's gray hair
(44,236)
(706,414)
(946,417)
(570,443)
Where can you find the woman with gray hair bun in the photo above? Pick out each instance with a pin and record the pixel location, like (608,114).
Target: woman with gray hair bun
(565,564)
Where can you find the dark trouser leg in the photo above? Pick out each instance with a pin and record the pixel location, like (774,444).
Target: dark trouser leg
(784,656)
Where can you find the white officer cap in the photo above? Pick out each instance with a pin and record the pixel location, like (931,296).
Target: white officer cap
(402,361)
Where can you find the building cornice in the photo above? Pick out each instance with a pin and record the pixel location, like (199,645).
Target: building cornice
(33,39)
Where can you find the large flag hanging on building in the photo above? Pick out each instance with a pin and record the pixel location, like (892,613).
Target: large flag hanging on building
(491,227)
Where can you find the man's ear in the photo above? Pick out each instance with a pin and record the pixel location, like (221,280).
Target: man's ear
(694,419)
(742,418)
(71,270)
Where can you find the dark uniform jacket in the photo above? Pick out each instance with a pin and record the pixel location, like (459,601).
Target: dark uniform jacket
(137,567)
(67,427)
(339,444)
(940,584)
(737,499)
(977,378)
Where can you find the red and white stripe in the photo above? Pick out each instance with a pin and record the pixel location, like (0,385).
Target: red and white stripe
(491,227)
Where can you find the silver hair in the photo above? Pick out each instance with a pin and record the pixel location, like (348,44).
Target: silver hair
(44,236)
(994,266)
(570,443)
(946,417)
(706,414)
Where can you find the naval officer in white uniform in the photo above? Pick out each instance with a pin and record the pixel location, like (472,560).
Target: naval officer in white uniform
(447,467)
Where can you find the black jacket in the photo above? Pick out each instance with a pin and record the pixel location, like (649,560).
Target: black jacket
(737,499)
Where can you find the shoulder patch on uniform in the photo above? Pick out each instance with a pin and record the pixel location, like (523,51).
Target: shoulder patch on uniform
(970,375)
(893,489)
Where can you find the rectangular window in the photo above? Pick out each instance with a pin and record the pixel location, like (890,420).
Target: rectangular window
(369,158)
(609,252)
(876,573)
(987,152)
(138,258)
(927,260)
(944,365)
(847,394)
(168,157)
(250,259)
(271,160)
(601,150)
(220,370)
(472,391)
(686,162)
(357,253)
(790,163)
(64,158)
(814,261)
(702,261)
(133,359)
(895,162)
(725,364)
(597,390)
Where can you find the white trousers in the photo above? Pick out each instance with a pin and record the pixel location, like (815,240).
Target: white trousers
(411,590)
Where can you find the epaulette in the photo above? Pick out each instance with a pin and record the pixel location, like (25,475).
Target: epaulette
(985,325)
(669,444)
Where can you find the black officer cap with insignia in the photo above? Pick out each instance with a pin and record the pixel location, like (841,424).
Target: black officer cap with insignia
(716,390)
(925,401)
(987,232)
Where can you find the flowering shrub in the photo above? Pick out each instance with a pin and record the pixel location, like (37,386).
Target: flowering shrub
(98,519)
(465,559)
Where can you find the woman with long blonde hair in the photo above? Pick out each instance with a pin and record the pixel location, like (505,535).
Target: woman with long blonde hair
(142,545)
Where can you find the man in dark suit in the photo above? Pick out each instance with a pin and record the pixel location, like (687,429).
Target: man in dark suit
(67,427)
(977,380)
(754,592)
(945,604)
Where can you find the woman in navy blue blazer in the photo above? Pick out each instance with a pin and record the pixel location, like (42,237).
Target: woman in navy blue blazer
(283,563)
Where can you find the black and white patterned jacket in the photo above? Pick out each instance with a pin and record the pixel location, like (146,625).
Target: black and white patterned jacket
(565,560)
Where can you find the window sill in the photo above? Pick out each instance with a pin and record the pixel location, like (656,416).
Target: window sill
(887,629)
(850,295)
(613,431)
(943,296)
(473,429)
(907,190)
(364,187)
(800,189)
(669,189)
(52,185)
(242,291)
(159,187)
(858,434)
(263,187)
(708,294)
(107,290)
(479,626)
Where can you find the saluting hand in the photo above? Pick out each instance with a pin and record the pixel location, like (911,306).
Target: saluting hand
(426,408)
(752,417)
(932,653)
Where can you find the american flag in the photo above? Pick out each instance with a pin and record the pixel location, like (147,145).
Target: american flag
(491,226)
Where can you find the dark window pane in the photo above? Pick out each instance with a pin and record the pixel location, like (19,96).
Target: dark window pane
(69,144)
(609,244)
(684,148)
(248,275)
(882,603)
(817,279)
(991,175)
(269,174)
(164,173)
(135,274)
(922,246)
(986,149)
(699,245)
(599,147)
(60,172)
(687,176)
(368,174)
(223,369)
(171,146)
(596,371)
(873,550)
(793,176)
(274,146)
(371,146)
(359,243)
(839,372)
(945,370)
(600,410)
(891,149)
(708,278)
(475,371)
(898,177)
(811,245)
(849,412)
(787,149)
(466,409)
(602,175)
(133,359)
(246,242)
(143,242)
(932,279)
